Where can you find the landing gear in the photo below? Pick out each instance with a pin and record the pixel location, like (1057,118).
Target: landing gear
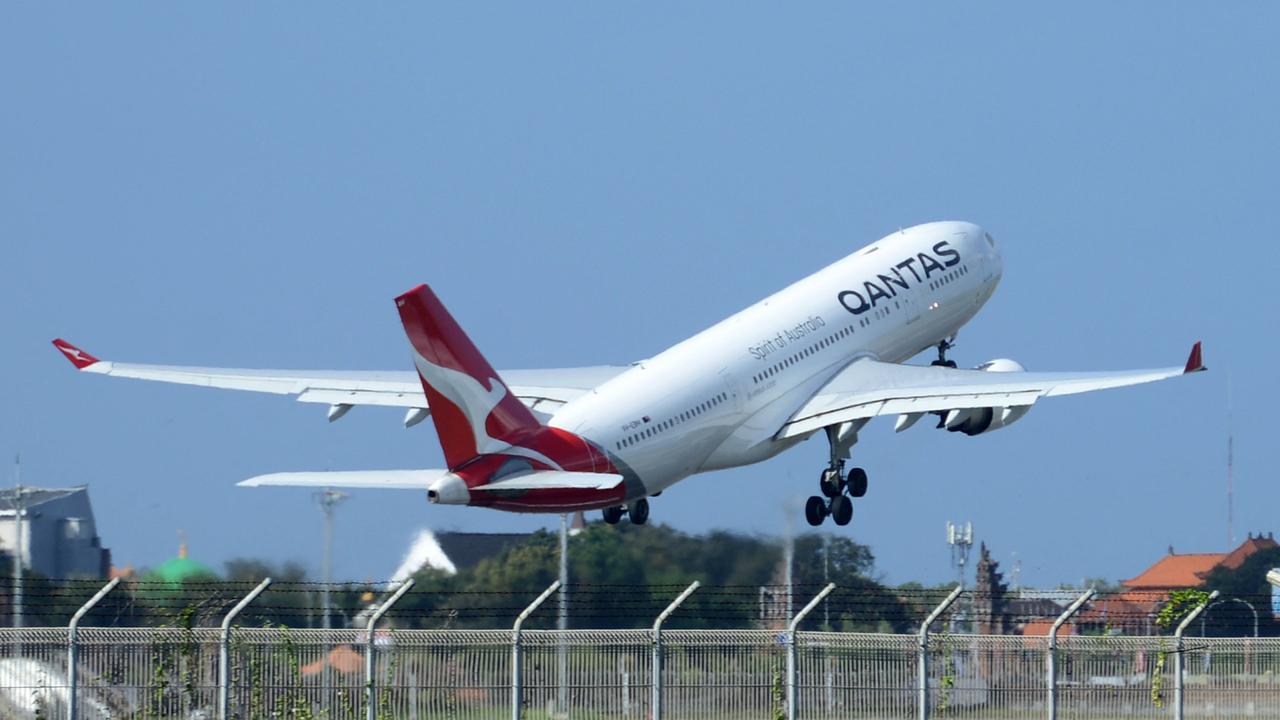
(831,483)
(943,346)
(842,510)
(815,510)
(857,482)
(834,483)
(638,512)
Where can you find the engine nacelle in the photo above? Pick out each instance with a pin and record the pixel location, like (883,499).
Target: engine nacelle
(975,421)
(1001,365)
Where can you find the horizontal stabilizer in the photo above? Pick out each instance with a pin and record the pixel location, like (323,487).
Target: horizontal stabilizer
(384,479)
(554,479)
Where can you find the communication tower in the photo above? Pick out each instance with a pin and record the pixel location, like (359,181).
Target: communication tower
(960,538)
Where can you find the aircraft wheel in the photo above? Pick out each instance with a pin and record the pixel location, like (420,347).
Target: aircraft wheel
(815,510)
(613,514)
(831,484)
(857,481)
(638,512)
(841,510)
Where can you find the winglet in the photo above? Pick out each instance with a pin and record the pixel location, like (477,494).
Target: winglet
(1194,363)
(78,357)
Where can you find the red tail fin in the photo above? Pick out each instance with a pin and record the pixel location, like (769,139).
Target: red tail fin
(474,411)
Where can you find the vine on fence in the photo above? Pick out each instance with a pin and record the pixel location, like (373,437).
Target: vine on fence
(384,695)
(1180,603)
(778,695)
(948,679)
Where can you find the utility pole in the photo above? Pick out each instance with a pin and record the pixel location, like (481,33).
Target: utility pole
(18,560)
(826,579)
(327,500)
(789,557)
(562,622)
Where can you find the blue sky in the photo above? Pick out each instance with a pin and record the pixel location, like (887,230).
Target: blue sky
(252,185)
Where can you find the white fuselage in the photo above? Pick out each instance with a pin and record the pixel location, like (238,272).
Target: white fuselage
(716,400)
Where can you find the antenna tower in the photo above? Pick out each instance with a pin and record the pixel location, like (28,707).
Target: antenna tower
(1231,450)
(960,538)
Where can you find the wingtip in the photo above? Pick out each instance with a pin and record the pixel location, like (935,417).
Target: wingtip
(75,355)
(415,290)
(1195,363)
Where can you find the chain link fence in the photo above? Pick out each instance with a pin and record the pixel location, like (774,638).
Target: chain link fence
(466,674)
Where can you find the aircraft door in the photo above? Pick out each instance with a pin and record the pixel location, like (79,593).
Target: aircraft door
(731,385)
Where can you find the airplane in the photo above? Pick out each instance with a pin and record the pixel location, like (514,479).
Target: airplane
(823,355)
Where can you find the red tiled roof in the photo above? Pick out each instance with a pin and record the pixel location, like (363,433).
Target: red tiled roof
(1040,627)
(1175,571)
(1236,557)
(1123,609)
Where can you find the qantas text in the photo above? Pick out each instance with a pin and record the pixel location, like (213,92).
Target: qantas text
(859,302)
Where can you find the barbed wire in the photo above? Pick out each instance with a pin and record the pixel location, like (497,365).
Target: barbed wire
(205,602)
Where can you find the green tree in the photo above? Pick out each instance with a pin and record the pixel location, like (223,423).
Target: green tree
(254,570)
(1248,584)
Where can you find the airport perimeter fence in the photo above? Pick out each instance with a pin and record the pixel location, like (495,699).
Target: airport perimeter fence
(243,672)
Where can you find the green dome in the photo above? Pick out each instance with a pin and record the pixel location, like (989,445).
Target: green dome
(179,570)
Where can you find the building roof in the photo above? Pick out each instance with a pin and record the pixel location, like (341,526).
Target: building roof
(1040,627)
(1125,609)
(33,496)
(467,550)
(1175,571)
(1236,558)
(1188,570)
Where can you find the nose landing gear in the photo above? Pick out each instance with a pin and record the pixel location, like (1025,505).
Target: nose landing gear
(943,346)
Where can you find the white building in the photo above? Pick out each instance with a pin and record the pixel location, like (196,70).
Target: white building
(59,537)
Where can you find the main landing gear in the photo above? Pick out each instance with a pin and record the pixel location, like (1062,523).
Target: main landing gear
(838,487)
(637,512)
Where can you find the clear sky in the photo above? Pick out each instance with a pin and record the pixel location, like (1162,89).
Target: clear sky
(251,185)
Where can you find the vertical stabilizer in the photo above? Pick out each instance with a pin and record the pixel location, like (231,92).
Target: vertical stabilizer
(474,411)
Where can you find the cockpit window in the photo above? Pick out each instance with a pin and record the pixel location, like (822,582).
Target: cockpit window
(990,240)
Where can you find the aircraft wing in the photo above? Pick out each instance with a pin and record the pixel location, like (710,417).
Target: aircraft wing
(541,390)
(422,479)
(869,388)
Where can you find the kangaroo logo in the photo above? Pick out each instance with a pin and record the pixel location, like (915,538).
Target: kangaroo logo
(476,402)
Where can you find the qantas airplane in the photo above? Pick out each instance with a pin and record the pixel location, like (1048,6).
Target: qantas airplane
(824,355)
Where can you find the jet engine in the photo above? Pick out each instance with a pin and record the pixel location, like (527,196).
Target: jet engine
(975,421)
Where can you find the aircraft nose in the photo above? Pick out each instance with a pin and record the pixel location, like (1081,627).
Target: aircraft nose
(990,251)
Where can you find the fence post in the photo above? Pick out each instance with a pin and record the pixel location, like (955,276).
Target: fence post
(370,681)
(224,648)
(1051,660)
(657,647)
(792,699)
(73,647)
(922,682)
(1179,662)
(515,648)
